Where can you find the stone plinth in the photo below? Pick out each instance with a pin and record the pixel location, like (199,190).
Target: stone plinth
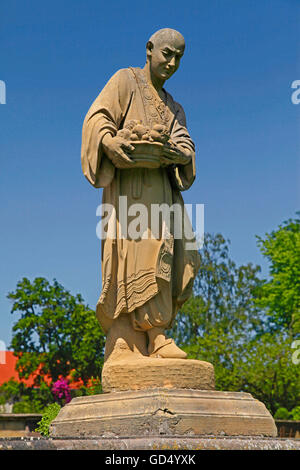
(173,412)
(147,373)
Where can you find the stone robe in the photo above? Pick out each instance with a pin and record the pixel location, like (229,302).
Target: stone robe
(146,278)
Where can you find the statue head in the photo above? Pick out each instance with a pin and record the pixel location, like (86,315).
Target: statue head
(164,51)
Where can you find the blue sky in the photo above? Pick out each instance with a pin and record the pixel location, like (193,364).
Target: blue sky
(234,83)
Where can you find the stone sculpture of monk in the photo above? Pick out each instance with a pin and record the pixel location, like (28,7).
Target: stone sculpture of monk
(144,281)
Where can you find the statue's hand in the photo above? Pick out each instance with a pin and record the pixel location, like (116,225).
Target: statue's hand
(115,148)
(175,156)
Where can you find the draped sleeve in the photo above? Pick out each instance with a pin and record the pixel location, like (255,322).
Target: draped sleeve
(104,116)
(182,176)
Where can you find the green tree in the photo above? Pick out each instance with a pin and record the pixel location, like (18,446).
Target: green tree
(223,297)
(279,296)
(223,324)
(221,317)
(25,399)
(266,370)
(56,332)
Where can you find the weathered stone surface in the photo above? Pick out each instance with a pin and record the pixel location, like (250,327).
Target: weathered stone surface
(164,412)
(148,372)
(153,443)
(147,272)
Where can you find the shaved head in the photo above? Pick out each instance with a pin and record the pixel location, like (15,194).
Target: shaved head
(167,35)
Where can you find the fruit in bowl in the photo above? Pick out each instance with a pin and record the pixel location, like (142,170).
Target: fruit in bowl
(149,144)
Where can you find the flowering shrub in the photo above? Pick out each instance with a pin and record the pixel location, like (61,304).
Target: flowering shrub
(61,390)
(94,386)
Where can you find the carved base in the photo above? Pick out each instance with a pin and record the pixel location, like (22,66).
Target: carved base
(161,412)
(140,372)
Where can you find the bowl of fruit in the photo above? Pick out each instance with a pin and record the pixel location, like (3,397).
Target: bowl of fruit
(149,144)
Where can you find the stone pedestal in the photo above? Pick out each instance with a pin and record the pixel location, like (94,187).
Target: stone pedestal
(168,412)
(162,397)
(149,373)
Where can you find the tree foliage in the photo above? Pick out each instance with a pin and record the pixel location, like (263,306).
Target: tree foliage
(25,399)
(225,325)
(279,295)
(222,304)
(56,333)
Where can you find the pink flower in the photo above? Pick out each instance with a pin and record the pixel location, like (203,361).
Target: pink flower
(61,389)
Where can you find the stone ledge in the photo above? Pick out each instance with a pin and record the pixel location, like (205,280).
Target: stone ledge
(154,443)
(18,424)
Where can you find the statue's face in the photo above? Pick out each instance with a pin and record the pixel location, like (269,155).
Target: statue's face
(165,58)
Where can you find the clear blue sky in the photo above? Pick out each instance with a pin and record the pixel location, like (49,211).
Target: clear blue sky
(234,83)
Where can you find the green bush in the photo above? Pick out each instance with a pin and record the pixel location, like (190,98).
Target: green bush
(295,413)
(282,413)
(49,415)
(25,405)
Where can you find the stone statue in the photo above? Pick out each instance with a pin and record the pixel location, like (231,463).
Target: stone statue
(136,146)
